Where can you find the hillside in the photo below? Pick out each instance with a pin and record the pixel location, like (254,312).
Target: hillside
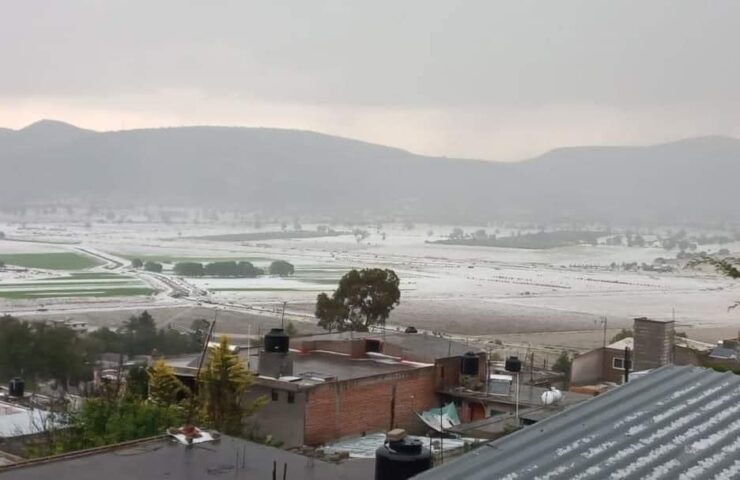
(300,172)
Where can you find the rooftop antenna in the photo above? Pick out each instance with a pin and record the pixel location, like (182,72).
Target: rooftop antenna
(191,407)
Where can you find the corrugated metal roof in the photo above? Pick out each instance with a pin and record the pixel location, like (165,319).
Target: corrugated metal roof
(673,423)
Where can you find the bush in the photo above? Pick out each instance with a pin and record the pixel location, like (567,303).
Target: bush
(189,269)
(137,263)
(153,267)
(282,268)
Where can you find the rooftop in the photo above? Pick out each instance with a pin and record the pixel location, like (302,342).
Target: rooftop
(674,422)
(16,421)
(163,458)
(628,342)
(421,347)
(316,364)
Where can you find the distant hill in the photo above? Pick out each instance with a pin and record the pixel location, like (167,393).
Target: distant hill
(300,172)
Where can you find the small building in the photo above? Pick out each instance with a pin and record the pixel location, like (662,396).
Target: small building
(654,344)
(602,364)
(671,422)
(326,388)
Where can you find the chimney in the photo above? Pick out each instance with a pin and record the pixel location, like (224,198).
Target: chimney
(654,340)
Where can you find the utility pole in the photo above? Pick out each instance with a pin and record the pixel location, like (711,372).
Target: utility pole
(282,319)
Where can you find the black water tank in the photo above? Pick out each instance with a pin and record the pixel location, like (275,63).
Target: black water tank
(513,364)
(277,340)
(16,387)
(402,459)
(469,365)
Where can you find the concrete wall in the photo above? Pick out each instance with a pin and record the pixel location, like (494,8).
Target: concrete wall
(587,368)
(282,420)
(654,342)
(372,404)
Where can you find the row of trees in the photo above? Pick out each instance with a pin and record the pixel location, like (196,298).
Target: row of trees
(218,269)
(39,352)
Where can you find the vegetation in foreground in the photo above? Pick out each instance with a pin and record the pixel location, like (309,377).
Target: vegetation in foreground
(41,352)
(152,400)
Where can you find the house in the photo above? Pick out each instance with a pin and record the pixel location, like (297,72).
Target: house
(654,344)
(671,422)
(325,388)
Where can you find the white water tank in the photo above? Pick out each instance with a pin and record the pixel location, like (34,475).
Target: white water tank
(552,396)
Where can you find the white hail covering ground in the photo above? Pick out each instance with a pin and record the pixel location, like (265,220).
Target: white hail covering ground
(460,283)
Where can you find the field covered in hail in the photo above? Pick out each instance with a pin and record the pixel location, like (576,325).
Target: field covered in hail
(474,290)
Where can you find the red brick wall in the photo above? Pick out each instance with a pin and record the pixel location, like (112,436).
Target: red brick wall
(351,407)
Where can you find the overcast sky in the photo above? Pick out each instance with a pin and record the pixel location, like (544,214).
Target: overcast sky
(483,79)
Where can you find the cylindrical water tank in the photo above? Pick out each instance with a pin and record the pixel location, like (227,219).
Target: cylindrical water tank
(469,364)
(552,396)
(513,364)
(401,459)
(277,340)
(16,387)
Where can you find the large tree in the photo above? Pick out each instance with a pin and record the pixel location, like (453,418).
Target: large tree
(363,298)
(223,383)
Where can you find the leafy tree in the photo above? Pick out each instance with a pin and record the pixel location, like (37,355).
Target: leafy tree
(624,333)
(282,268)
(16,339)
(189,269)
(164,387)
(223,382)
(457,234)
(363,298)
(563,365)
(290,329)
(246,269)
(151,266)
(137,382)
(140,334)
(137,263)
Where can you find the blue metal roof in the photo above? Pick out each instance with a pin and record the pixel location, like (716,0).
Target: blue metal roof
(673,423)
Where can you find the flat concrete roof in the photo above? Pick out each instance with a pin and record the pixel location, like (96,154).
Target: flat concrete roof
(164,458)
(420,346)
(340,366)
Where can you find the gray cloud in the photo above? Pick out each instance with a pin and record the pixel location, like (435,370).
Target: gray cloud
(464,61)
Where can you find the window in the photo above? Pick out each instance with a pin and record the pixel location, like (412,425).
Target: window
(291,397)
(618,364)
(274,395)
(372,345)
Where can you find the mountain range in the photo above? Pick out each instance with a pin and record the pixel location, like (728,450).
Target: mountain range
(300,172)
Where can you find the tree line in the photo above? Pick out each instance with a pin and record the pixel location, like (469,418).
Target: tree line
(39,351)
(242,269)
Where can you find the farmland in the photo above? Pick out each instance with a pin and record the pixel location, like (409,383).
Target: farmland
(50,260)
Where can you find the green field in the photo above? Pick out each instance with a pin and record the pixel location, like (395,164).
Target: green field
(176,259)
(102,292)
(77,284)
(50,261)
